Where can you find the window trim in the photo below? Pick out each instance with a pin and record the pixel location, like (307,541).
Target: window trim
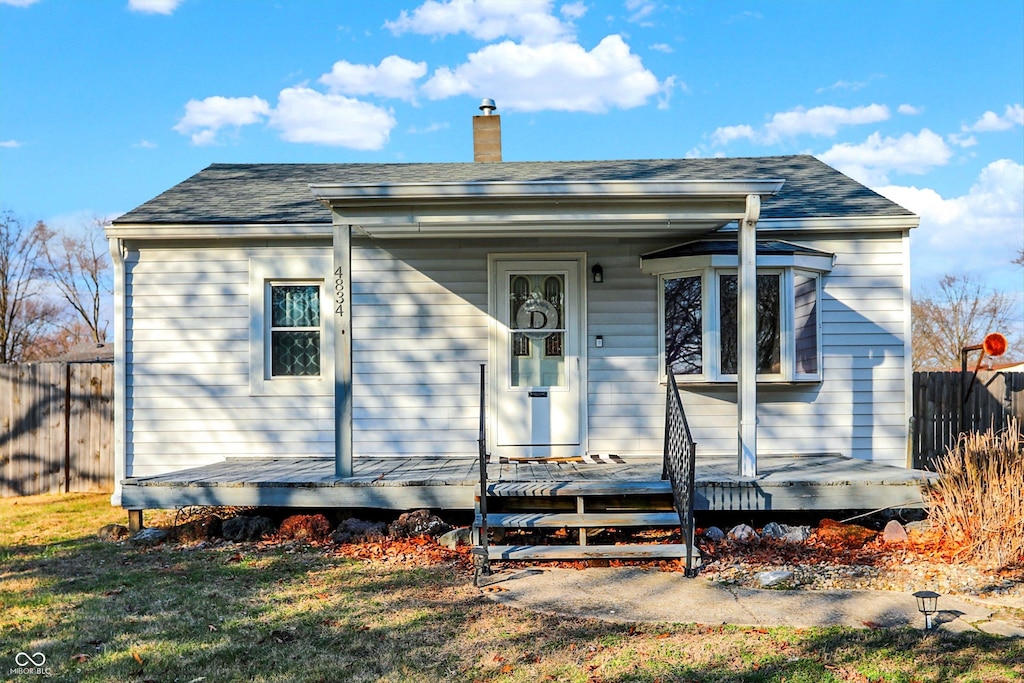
(288,267)
(710,271)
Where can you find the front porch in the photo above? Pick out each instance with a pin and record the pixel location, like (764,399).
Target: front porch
(784,482)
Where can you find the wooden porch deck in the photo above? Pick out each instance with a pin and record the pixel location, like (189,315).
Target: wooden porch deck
(793,482)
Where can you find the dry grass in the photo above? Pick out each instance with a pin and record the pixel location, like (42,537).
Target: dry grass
(978,502)
(115,612)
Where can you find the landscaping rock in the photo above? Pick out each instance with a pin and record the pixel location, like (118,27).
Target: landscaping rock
(202,529)
(354,530)
(418,523)
(920,527)
(305,528)
(113,532)
(246,528)
(151,536)
(743,533)
(894,533)
(714,534)
(773,579)
(456,537)
(787,533)
(796,534)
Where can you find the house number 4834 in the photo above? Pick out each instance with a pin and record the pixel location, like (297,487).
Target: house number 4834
(339,292)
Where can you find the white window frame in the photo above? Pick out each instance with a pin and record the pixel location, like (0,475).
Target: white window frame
(711,324)
(286,268)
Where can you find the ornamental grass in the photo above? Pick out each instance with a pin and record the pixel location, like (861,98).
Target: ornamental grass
(978,501)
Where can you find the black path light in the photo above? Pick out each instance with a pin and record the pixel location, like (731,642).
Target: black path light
(927,604)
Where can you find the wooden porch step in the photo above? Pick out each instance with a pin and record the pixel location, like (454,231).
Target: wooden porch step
(540,489)
(534,520)
(586,552)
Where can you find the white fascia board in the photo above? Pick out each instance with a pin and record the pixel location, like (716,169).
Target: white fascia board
(171,231)
(332,193)
(542,228)
(835,224)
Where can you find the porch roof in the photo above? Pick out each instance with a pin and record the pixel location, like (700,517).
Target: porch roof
(278,196)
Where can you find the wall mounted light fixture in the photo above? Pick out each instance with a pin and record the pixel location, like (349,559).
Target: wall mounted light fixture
(598,273)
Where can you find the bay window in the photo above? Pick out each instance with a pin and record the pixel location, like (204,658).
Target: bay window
(699,311)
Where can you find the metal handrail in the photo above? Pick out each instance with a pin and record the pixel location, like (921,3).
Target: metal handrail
(483,567)
(679,464)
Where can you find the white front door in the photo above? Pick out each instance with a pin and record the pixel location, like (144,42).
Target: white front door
(536,397)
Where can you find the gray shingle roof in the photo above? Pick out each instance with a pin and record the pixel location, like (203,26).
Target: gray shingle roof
(279,193)
(707,247)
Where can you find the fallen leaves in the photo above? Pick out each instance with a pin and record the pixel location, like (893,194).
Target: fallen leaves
(407,552)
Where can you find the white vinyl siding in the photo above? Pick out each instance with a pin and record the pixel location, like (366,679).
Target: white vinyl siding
(420,332)
(188,399)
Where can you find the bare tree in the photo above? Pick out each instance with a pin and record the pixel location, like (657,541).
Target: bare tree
(26,314)
(80,269)
(957,314)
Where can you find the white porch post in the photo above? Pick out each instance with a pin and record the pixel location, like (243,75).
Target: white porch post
(746,380)
(342,305)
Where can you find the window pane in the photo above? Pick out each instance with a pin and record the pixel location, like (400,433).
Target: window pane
(805,322)
(683,331)
(295,306)
(295,354)
(536,317)
(769,328)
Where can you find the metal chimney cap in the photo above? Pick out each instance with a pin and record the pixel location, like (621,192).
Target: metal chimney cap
(487,106)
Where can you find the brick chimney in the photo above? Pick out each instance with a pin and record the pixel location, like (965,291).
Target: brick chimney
(487,134)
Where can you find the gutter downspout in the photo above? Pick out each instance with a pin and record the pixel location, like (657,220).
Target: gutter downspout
(746,380)
(120,403)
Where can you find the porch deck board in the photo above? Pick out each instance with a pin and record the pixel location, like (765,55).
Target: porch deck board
(784,482)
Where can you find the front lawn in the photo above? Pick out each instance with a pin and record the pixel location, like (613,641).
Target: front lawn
(281,612)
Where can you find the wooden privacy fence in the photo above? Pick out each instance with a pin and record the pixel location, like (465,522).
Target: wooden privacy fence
(994,399)
(56,428)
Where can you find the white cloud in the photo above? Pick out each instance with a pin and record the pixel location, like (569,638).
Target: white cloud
(305,115)
(992,122)
(961,140)
(726,134)
(204,118)
(977,233)
(529,20)
(10,143)
(145,144)
(640,10)
(18,3)
(821,121)
(431,128)
(909,110)
(662,47)
(154,6)
(872,161)
(573,10)
(393,77)
(556,76)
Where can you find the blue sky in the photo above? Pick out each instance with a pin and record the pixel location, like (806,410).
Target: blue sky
(106,103)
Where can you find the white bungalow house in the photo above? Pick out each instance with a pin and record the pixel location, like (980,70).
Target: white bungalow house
(303,314)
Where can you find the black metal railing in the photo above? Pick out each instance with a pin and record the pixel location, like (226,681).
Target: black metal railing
(679,464)
(481,553)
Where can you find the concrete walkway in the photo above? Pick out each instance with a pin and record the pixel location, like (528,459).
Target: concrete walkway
(632,594)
